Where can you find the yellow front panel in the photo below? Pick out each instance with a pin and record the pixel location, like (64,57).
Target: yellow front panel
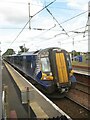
(58,62)
(61,68)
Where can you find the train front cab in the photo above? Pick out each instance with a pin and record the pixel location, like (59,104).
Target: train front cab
(61,69)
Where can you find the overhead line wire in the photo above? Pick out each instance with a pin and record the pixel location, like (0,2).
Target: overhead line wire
(19,33)
(57,21)
(70,41)
(73,17)
(75,41)
(43,8)
(42,29)
(52,16)
(64,22)
(60,23)
(63,39)
(59,34)
(29,21)
(72,31)
(85,28)
(45,31)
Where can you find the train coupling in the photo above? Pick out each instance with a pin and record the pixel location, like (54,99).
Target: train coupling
(62,89)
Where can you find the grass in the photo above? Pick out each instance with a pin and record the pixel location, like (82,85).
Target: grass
(85,61)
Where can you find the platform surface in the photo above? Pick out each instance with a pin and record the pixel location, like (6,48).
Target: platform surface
(14,103)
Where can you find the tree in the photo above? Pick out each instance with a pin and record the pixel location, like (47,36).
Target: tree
(9,52)
(74,53)
(23,49)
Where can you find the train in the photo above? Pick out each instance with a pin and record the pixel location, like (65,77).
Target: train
(49,68)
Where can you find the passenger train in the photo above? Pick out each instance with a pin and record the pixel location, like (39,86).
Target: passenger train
(50,68)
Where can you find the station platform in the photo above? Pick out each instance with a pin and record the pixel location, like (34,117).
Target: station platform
(13,100)
(81,71)
(39,105)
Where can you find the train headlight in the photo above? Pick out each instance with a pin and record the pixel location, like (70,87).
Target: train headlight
(50,74)
(45,77)
(49,77)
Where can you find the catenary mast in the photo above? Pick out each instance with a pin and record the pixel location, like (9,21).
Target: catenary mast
(0,84)
(89,26)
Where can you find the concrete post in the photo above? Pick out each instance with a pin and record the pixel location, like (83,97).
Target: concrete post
(28,101)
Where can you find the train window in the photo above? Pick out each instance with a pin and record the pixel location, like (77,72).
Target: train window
(45,64)
(31,65)
(69,62)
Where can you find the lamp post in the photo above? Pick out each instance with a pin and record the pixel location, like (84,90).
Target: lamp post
(24,48)
(73,49)
(29,16)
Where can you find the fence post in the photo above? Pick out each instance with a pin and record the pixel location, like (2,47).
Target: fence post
(28,101)
(6,111)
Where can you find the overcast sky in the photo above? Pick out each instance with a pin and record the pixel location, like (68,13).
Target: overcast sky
(64,22)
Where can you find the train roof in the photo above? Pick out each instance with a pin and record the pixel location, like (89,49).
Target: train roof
(37,52)
(27,53)
(50,48)
(40,51)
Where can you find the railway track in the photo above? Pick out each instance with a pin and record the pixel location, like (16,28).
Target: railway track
(82,87)
(81,75)
(73,109)
(80,98)
(76,103)
(82,78)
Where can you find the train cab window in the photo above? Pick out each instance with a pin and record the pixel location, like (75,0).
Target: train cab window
(69,62)
(45,64)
